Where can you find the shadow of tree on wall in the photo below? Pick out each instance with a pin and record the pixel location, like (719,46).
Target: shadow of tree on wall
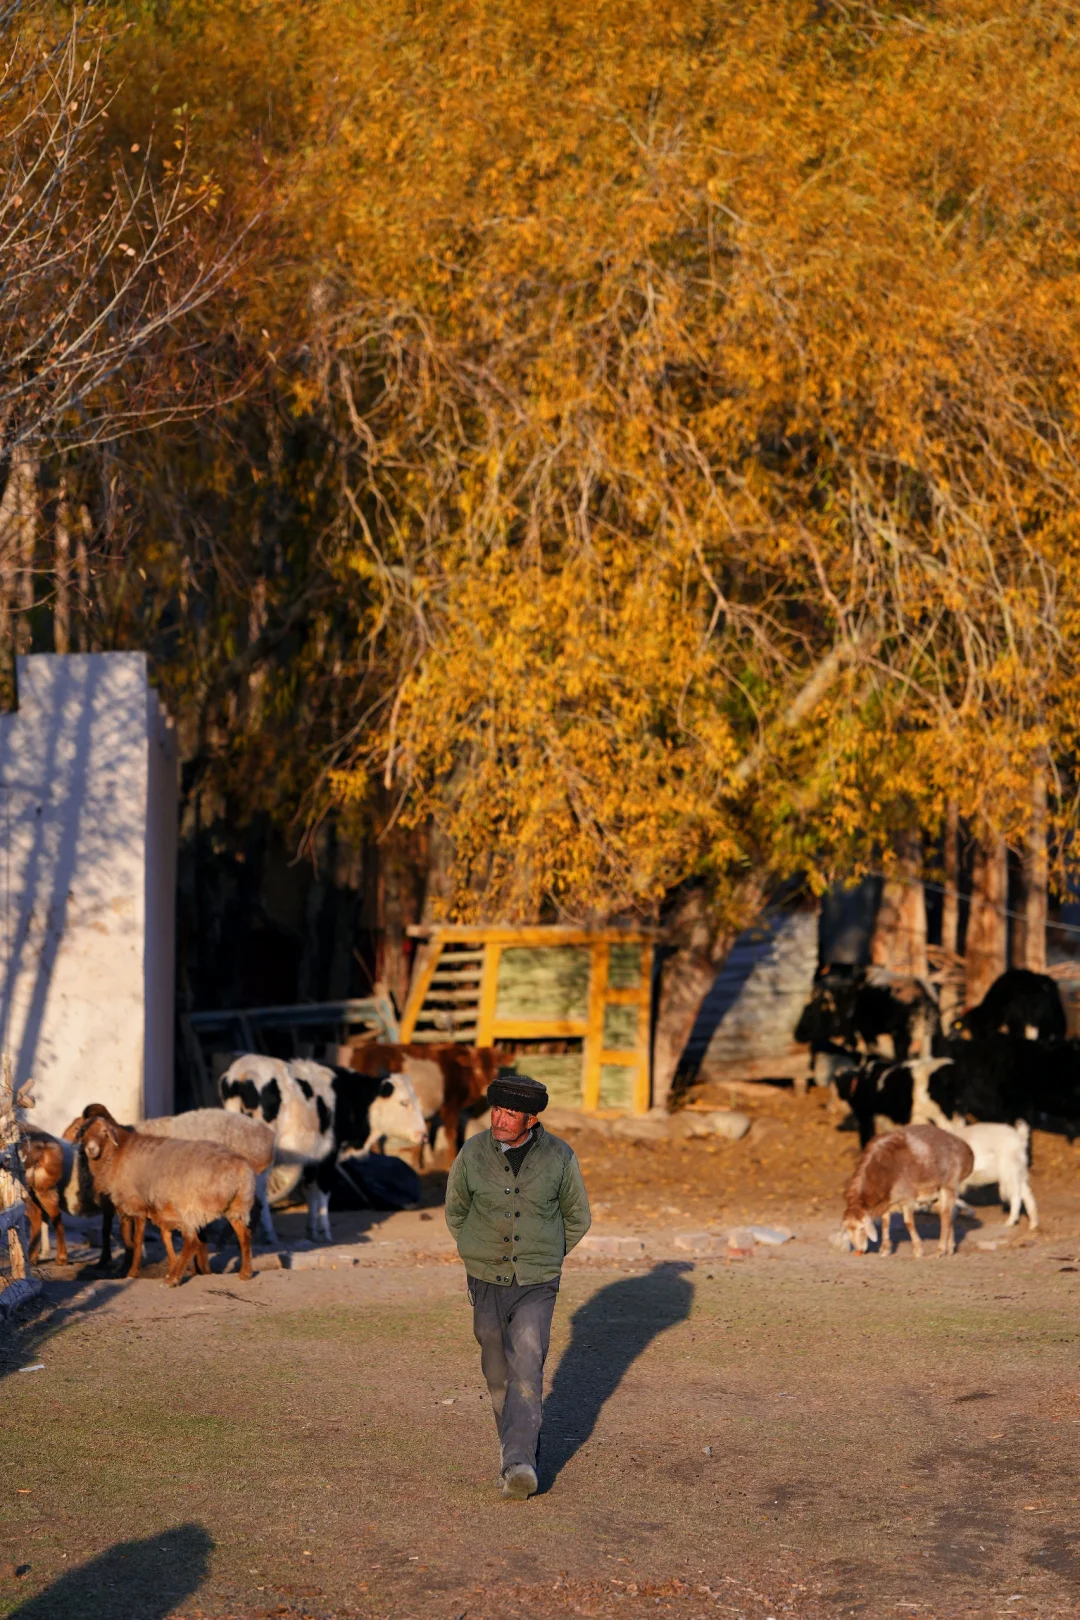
(135,1580)
(607,1334)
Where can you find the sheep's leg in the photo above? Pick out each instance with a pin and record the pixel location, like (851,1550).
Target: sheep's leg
(243,1237)
(176,1272)
(947,1241)
(886,1233)
(166,1238)
(61,1238)
(202,1256)
(105,1257)
(39,1244)
(138,1232)
(909,1222)
(1030,1205)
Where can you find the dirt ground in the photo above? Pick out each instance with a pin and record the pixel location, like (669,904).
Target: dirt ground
(802,1433)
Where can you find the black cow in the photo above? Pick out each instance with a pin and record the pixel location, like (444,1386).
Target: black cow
(1005,1078)
(847,1009)
(1016,1002)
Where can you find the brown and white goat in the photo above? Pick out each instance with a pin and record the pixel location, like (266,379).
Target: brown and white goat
(176,1184)
(58,1182)
(898,1171)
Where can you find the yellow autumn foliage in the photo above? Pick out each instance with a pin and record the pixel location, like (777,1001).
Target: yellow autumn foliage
(670,360)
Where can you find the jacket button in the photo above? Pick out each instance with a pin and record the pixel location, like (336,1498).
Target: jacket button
(506,1240)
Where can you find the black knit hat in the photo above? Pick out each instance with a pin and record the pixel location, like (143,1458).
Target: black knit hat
(512,1090)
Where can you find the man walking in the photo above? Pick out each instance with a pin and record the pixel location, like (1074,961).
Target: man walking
(516,1205)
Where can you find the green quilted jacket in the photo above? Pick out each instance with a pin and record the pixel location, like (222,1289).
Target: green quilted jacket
(524,1225)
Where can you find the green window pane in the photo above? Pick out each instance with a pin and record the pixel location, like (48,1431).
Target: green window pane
(620,1029)
(560,1071)
(624,967)
(617,1085)
(543,981)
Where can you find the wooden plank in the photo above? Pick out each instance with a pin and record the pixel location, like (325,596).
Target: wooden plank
(594,1038)
(478,934)
(422,977)
(622,998)
(489,995)
(444,1037)
(534,1029)
(643,1085)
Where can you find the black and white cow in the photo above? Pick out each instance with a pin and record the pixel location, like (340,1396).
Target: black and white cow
(1020,1003)
(1003,1081)
(315,1111)
(896,1094)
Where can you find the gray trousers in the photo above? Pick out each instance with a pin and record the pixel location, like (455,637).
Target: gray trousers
(512,1324)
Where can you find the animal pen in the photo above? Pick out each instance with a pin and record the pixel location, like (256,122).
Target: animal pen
(575,1004)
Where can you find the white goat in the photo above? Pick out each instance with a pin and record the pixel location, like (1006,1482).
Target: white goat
(1001,1156)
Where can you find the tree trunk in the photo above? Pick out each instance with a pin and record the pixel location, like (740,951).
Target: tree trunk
(987,934)
(899,938)
(949,997)
(1029,926)
(397,909)
(17,522)
(23,474)
(62,564)
(685,980)
(82,570)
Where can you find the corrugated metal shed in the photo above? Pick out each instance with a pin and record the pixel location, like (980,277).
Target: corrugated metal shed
(746,1025)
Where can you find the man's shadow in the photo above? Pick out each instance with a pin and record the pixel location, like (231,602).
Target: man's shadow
(607,1334)
(135,1580)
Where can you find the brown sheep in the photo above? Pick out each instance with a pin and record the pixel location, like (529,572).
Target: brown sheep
(176,1184)
(58,1182)
(898,1171)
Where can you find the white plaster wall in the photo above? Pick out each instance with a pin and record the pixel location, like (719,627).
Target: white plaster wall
(87,866)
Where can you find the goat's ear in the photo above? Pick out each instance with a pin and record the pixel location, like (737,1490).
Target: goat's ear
(870,1229)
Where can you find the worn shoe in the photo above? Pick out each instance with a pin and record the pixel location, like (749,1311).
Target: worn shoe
(519,1482)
